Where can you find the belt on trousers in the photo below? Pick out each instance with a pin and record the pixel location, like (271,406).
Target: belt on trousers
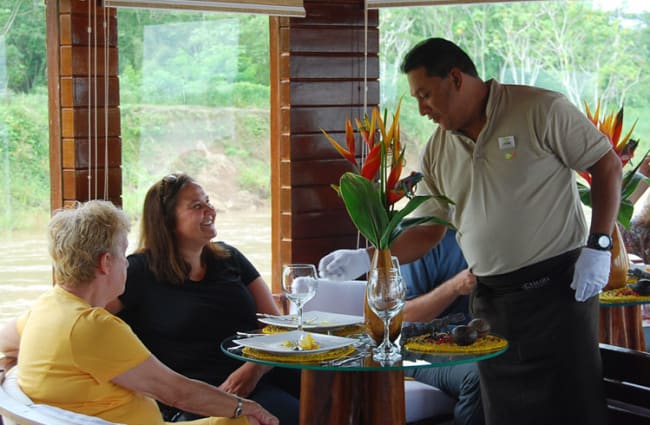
(531,277)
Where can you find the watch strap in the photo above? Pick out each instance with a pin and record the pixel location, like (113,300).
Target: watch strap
(600,241)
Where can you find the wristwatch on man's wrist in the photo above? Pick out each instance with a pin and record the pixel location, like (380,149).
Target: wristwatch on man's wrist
(238,409)
(599,241)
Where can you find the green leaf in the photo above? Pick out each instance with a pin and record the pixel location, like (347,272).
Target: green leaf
(625,211)
(363,202)
(585,194)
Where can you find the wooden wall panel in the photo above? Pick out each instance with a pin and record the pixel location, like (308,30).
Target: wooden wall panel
(319,62)
(311,119)
(75,91)
(330,93)
(74,29)
(82,122)
(82,117)
(315,198)
(79,60)
(308,146)
(305,67)
(333,40)
(76,184)
(76,153)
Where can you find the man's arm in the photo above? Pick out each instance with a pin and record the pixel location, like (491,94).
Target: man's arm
(606,178)
(416,241)
(413,243)
(430,305)
(592,267)
(156,380)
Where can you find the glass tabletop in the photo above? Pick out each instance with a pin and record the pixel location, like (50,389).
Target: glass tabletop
(624,303)
(361,359)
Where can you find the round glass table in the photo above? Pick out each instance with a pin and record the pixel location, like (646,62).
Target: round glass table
(355,389)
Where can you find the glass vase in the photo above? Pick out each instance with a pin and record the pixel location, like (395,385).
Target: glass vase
(620,263)
(382,262)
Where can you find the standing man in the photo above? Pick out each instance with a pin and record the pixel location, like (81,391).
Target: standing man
(506,155)
(439,284)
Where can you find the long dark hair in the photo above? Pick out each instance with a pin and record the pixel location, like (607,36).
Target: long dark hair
(157,231)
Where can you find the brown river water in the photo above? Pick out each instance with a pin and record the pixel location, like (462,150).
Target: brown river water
(26,272)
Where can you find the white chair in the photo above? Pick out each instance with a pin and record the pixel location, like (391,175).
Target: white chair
(347,297)
(17,409)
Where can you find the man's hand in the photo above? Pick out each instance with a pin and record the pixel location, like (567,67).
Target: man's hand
(464,282)
(591,273)
(344,264)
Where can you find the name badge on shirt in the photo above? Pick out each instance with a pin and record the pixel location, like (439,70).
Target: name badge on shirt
(507,144)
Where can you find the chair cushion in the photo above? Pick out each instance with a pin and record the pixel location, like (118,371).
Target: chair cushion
(58,415)
(424,401)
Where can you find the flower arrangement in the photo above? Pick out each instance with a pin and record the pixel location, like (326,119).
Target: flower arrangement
(372,191)
(611,126)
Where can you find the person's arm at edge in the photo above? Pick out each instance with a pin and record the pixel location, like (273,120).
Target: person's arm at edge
(156,380)
(605,192)
(263,297)
(244,379)
(427,307)
(415,242)
(9,344)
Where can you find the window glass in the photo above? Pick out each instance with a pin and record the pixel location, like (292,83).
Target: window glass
(588,50)
(194,97)
(25,270)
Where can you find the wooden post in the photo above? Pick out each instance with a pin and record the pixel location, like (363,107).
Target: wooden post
(85,145)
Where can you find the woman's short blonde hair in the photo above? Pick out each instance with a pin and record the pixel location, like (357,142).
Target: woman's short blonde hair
(77,237)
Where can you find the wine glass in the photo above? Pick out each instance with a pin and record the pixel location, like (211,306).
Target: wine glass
(386,298)
(299,283)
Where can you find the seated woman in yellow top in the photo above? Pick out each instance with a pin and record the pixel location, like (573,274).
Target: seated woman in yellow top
(75,355)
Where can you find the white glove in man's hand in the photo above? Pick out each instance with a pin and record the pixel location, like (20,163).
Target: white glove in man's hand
(591,273)
(344,264)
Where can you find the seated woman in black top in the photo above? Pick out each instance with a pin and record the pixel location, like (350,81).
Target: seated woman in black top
(185,294)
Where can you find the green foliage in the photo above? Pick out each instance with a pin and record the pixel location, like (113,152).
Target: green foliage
(548,44)
(25,44)
(24,159)
(255,178)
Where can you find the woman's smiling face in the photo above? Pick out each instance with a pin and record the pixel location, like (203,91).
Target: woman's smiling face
(194,215)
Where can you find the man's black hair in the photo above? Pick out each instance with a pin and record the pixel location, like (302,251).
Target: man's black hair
(438,56)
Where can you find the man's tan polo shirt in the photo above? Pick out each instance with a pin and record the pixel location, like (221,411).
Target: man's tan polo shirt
(515,189)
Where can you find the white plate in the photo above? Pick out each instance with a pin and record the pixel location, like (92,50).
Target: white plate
(275,343)
(313,320)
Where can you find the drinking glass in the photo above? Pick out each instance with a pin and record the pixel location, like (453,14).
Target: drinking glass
(299,283)
(386,298)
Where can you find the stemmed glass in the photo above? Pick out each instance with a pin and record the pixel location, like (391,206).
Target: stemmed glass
(299,283)
(386,298)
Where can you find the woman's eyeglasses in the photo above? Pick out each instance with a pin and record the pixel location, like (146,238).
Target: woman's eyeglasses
(168,187)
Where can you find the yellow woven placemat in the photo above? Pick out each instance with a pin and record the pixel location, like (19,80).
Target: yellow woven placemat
(428,344)
(621,295)
(299,358)
(343,331)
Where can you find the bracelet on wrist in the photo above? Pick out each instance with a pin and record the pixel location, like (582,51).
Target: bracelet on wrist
(238,408)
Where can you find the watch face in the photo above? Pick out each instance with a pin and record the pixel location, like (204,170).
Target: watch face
(603,241)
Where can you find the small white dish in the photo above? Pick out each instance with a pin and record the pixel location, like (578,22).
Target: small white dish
(283,343)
